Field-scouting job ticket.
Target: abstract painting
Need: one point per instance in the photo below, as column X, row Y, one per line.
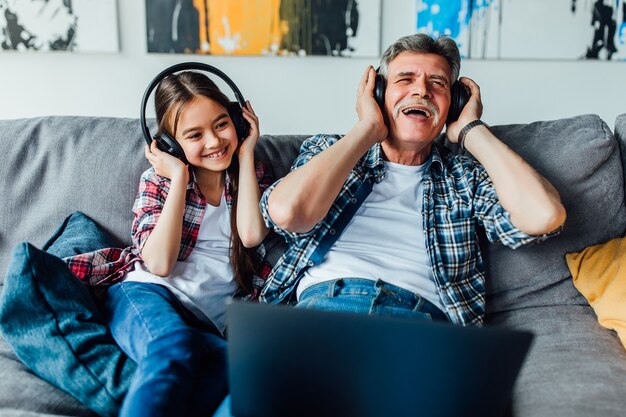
column 59, row 25
column 264, row 27
column 529, row 29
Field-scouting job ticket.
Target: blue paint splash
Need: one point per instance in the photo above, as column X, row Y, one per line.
column 444, row 17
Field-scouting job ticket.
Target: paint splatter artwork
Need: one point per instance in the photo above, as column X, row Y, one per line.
column 59, row 25
column 529, row 29
column 264, row 27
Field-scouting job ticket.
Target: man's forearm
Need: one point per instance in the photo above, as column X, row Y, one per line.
column 533, row 203
column 302, row 199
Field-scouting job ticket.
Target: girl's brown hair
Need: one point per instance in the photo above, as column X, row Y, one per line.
column 174, row 93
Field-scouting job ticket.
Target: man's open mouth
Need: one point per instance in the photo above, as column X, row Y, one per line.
column 416, row 111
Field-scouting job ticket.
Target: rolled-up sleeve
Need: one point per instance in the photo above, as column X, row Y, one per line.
column 148, row 206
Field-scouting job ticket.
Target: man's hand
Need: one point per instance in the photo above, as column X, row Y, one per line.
column 473, row 110
column 533, row 203
column 367, row 108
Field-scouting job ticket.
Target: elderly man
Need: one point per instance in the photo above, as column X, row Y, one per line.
column 383, row 221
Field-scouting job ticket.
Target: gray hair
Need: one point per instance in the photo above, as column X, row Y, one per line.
column 424, row 44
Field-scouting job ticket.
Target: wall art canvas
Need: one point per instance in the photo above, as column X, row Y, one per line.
column 265, row 27
column 59, row 25
column 529, row 29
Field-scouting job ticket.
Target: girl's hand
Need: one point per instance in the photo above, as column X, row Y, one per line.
column 166, row 165
column 248, row 144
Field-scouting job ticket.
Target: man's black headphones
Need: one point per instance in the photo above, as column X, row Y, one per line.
column 459, row 95
column 165, row 141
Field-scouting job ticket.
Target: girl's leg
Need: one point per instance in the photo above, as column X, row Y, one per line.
column 172, row 356
column 211, row 386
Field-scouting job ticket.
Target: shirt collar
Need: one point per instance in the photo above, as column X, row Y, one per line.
column 373, row 160
column 193, row 183
column 435, row 162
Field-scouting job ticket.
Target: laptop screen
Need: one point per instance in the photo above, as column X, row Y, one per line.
column 291, row 362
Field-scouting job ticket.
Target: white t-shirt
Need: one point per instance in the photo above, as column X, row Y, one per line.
column 385, row 239
column 204, row 281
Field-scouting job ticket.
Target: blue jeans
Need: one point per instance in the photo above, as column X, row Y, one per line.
column 181, row 360
column 365, row 296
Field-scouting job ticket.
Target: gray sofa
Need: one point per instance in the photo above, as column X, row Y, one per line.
column 53, row 166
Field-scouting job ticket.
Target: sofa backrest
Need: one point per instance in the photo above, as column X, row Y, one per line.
column 581, row 158
column 53, row 166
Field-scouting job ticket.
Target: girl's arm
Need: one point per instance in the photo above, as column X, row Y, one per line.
column 250, row 223
column 160, row 251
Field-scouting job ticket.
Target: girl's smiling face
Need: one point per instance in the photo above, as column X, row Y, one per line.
column 206, row 133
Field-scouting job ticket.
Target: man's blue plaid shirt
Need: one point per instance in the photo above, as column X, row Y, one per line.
column 459, row 197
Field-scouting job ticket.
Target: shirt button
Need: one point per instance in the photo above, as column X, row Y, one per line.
column 332, row 231
column 311, row 263
column 353, row 200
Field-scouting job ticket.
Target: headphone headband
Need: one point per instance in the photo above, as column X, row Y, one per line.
column 184, row 66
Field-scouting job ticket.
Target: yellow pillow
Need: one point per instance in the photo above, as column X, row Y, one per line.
column 599, row 273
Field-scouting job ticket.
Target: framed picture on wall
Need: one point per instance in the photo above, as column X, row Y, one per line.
column 59, row 25
column 529, row 29
column 265, row 27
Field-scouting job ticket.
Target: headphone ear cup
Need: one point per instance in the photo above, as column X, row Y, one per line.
column 241, row 124
column 379, row 90
column 168, row 144
column 459, row 96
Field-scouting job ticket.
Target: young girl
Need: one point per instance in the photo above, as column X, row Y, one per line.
column 192, row 230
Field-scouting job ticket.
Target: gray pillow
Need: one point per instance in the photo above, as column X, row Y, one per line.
column 580, row 157
column 620, row 135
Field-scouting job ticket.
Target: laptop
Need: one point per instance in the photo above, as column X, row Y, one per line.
column 287, row 362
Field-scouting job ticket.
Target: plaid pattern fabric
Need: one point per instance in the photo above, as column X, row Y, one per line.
column 109, row 265
column 459, row 197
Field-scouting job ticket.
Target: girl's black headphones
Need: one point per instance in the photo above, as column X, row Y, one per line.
column 165, row 141
column 459, row 95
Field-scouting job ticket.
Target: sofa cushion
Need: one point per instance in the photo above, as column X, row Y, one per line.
column 580, row 157
column 574, row 368
column 53, row 324
column 598, row 273
column 24, row 394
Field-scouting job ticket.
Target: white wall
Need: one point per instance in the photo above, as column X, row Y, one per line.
column 295, row 95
